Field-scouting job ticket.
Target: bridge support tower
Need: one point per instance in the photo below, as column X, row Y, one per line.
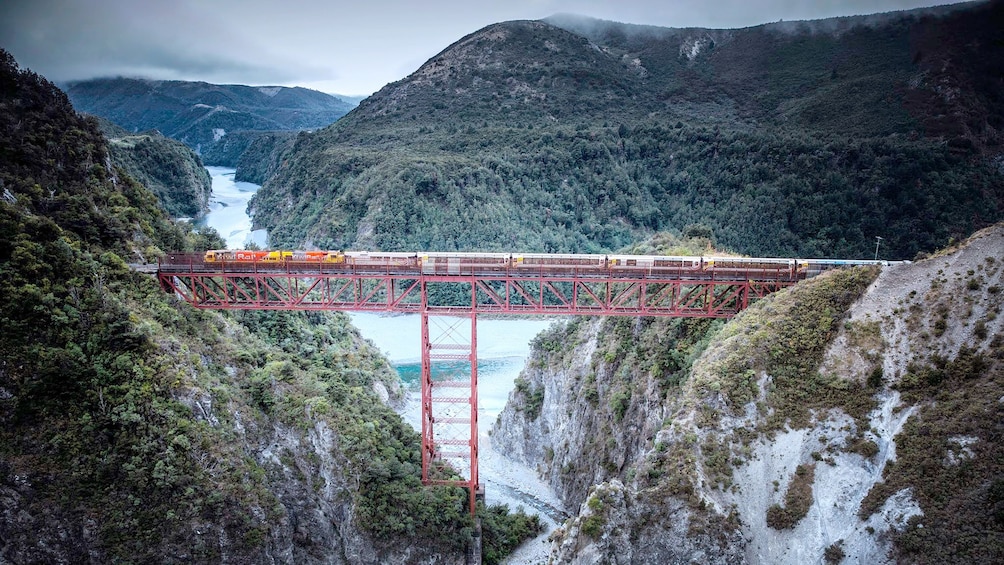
column 450, row 400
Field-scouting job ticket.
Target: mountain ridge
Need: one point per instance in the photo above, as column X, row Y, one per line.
column 168, row 168
column 498, row 45
column 200, row 113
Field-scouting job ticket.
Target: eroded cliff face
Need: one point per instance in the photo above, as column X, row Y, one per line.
column 855, row 416
column 593, row 396
column 586, row 412
column 316, row 485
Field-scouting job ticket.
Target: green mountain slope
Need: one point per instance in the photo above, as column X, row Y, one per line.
column 198, row 113
column 793, row 139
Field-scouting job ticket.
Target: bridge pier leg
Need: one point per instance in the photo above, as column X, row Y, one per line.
column 473, row 484
column 428, row 445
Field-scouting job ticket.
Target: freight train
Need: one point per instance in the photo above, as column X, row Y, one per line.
column 466, row 263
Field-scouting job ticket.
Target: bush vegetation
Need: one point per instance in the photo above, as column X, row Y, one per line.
column 834, row 553
column 797, row 500
column 785, row 336
column 532, row 397
column 503, row 531
column 592, row 525
column 950, row 455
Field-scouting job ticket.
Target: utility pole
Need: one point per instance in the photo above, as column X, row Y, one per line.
column 878, row 240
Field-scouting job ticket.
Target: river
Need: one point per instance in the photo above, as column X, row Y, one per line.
column 503, row 346
column 228, row 206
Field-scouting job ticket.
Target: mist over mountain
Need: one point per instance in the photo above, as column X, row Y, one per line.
column 803, row 139
column 201, row 114
column 927, row 71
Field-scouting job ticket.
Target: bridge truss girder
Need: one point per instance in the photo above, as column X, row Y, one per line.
column 450, row 419
column 558, row 296
column 450, row 402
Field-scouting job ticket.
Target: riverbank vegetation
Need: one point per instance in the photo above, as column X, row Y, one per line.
column 597, row 189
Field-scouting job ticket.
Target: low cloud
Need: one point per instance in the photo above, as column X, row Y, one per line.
column 352, row 48
column 79, row 40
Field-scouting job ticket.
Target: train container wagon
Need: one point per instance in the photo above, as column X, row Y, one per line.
column 463, row 263
column 380, row 260
column 686, row 267
column 655, row 265
column 558, row 262
column 630, row 261
column 746, row 267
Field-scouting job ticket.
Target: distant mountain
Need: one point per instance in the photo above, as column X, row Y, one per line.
column 354, row 100
column 803, row 138
column 200, row 114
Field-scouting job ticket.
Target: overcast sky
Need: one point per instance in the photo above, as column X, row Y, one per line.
column 351, row 48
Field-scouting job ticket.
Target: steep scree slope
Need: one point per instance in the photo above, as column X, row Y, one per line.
column 825, row 421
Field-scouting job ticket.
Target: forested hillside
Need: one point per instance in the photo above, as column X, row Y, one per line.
column 168, row 168
column 808, row 139
column 200, row 114
column 135, row 429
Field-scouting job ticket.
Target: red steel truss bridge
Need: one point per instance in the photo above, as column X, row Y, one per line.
column 451, row 290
